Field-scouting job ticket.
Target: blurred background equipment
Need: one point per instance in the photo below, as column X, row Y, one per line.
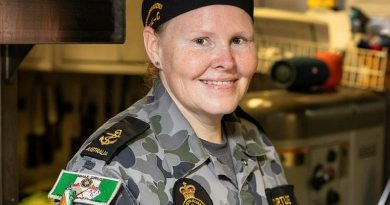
column 299, row 73
column 335, row 137
column 331, row 143
column 334, row 63
column 288, row 35
column 319, row 73
column 359, row 20
column 86, row 104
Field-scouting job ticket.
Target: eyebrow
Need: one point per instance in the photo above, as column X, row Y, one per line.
column 211, row 33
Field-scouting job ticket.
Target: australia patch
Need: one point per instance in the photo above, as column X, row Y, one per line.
column 187, row 192
column 281, row 195
column 105, row 146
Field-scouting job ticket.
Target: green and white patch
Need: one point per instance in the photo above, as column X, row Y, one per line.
column 88, row 189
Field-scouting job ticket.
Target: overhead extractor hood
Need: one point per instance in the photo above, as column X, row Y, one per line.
column 59, row 21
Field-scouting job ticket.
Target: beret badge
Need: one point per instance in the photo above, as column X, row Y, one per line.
column 153, row 14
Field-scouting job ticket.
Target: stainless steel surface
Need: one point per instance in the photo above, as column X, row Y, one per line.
column 292, row 115
column 41, row 21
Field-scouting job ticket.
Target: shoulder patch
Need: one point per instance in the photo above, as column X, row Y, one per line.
column 188, row 191
column 281, row 195
column 105, row 146
column 84, row 188
column 241, row 113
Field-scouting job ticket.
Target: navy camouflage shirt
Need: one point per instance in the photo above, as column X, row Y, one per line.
column 152, row 149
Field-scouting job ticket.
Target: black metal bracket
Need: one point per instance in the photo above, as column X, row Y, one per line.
column 11, row 55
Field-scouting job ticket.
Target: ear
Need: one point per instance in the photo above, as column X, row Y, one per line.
column 151, row 41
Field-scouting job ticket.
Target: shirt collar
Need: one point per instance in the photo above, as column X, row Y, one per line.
column 242, row 136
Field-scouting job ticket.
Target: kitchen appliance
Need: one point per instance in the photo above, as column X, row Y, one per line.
column 331, row 144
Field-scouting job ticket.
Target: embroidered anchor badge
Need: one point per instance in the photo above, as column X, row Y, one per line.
column 111, row 138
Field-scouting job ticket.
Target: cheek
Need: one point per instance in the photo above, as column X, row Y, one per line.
column 190, row 64
column 248, row 65
column 181, row 59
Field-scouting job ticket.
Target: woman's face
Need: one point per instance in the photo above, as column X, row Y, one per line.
column 208, row 57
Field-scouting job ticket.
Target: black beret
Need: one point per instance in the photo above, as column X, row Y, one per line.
column 157, row 12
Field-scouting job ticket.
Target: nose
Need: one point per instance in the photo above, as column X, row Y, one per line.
column 223, row 57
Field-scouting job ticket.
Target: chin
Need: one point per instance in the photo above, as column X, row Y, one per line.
column 222, row 109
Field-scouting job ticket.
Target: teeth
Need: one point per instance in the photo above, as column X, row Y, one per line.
column 210, row 82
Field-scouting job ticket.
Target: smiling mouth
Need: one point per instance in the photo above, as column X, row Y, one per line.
column 214, row 82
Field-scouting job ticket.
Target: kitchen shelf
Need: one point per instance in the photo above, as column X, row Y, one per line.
column 127, row 58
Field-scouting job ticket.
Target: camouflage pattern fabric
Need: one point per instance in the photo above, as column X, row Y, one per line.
column 150, row 165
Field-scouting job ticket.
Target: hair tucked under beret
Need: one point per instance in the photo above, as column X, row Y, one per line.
column 157, row 12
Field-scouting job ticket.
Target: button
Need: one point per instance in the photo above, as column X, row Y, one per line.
column 244, row 162
column 332, row 197
column 319, row 177
column 332, row 156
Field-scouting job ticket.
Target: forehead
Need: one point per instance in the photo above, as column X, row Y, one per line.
column 208, row 17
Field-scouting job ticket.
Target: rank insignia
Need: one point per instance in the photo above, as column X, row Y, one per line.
column 72, row 187
column 281, row 195
column 113, row 139
column 188, row 192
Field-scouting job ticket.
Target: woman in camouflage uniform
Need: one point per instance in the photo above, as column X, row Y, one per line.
column 186, row 142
